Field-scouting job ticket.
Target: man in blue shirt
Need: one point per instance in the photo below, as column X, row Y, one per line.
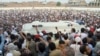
column 2, row 40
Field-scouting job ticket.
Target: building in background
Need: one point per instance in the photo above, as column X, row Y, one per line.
column 77, row 3
column 95, row 3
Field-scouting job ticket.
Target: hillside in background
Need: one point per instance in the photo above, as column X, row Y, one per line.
column 39, row 4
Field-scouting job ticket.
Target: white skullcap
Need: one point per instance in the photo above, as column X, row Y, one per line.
column 5, row 33
column 78, row 39
column 98, row 30
column 14, row 32
column 88, row 28
column 41, row 34
column 11, row 46
column 12, row 26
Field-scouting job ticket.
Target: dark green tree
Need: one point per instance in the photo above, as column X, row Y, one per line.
column 58, row 4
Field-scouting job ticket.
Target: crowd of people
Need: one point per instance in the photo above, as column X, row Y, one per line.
column 14, row 42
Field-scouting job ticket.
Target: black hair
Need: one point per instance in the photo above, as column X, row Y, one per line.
column 23, row 53
column 73, row 30
column 98, row 36
column 82, row 30
column 28, row 34
column 33, row 37
column 28, row 38
column 52, row 46
column 61, row 42
column 18, row 44
column 9, row 33
column 48, row 38
column 65, row 37
column 73, row 42
column 13, row 37
column 51, row 34
column 84, row 40
column 36, row 39
column 57, row 36
column 83, row 48
column 90, row 34
column 79, row 43
column 41, row 47
column 21, row 40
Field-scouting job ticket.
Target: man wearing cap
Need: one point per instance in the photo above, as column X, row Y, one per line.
column 76, row 46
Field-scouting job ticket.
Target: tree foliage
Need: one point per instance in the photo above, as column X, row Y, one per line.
column 58, row 3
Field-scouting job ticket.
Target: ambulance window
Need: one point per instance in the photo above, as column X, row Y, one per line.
column 40, row 25
column 37, row 25
column 33, row 25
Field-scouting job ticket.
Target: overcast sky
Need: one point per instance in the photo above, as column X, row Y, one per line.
column 63, row 1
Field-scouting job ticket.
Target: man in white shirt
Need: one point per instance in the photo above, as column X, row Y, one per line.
column 76, row 46
column 9, row 54
column 83, row 34
column 72, row 35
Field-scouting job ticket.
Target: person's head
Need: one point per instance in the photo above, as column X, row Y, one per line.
column 41, row 47
column 50, row 34
column 44, row 32
column 78, row 41
column 82, row 30
column 52, row 46
column 33, row 37
column 13, row 37
column 98, row 36
column 57, row 36
column 85, row 41
column 65, row 37
column 73, row 30
column 69, row 51
column 28, row 34
column 25, row 53
column 59, row 32
column 49, row 39
column 90, row 34
column 28, row 39
column 61, row 44
column 84, row 49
